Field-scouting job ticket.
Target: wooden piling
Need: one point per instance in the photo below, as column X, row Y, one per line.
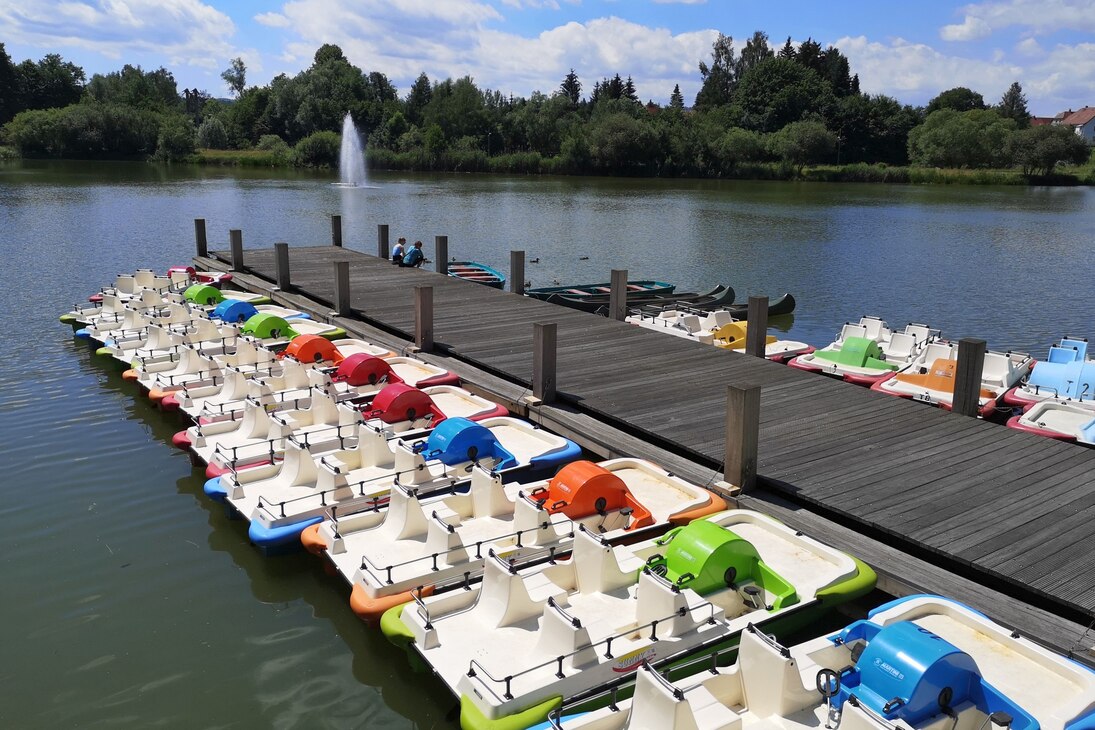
column 742, row 435
column 281, row 265
column 543, row 361
column 201, row 242
column 342, row 288
column 336, row 230
column 617, row 298
column 517, row 272
column 441, row 253
column 967, row 376
column 382, row 250
column 423, row 318
column 757, row 331
column 235, row 241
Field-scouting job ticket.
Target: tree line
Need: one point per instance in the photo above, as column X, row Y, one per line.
column 760, row 112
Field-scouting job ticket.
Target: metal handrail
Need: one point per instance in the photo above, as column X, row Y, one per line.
column 769, row 640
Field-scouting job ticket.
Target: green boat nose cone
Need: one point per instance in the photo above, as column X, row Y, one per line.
column 67, row 318
column 105, row 351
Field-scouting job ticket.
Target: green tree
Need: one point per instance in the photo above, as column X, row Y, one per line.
column 418, row 98
column 948, row 138
column 756, row 50
column 1038, row 150
column 960, row 99
column 737, row 146
column 620, row 143
column 803, row 143
column 133, row 86
column 788, row 51
column 434, row 142
column 810, row 55
column 212, row 134
column 10, row 93
column 235, row 76
column 1013, row 105
column 318, row 150
column 571, row 88
column 458, row 108
column 718, row 78
column 777, row 92
column 50, row 83
column 676, row 99
column 176, row 138
column 873, row 129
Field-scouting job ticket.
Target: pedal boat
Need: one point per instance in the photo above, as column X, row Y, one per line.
column 125, row 321
column 112, row 309
column 307, row 350
column 536, row 631
column 350, row 480
column 1061, row 420
column 717, row 327
column 396, row 409
column 439, row 545
column 196, row 368
column 1067, row 374
column 358, row 375
column 917, row 663
column 934, row 383
column 867, row 352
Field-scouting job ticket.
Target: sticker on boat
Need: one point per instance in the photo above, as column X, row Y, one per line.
column 634, row 660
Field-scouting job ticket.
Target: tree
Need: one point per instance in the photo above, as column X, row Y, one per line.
column 136, row 87
column 810, row 55
column 736, row 146
column 873, row 129
column 417, row 98
column 1013, row 105
column 1038, row 150
column 212, row 135
column 629, row 92
column 718, row 78
column 777, row 92
column 948, row 138
column 788, row 51
column 836, row 70
column 960, row 99
column 756, row 50
column 803, row 143
column 676, row 99
column 50, row 83
column 176, row 138
column 571, row 88
column 235, row 76
column 9, row 88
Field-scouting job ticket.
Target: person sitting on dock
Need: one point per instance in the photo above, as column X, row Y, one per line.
column 399, row 250
column 414, row 257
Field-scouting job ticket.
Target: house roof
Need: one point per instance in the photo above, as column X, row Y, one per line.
column 1080, row 118
column 1040, row 121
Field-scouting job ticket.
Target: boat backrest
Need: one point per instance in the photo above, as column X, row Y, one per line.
column 562, row 634
column 689, row 323
column 901, row 346
column 770, row 680
column 938, row 351
column 504, row 599
column 658, row 601
column 125, row 284
column 872, row 327
column 666, row 707
column 919, row 332
column 851, row 330
column 997, row 369
column 596, row 567
column 488, row 498
column 719, row 317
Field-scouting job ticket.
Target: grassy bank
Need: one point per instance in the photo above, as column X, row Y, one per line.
column 240, row 158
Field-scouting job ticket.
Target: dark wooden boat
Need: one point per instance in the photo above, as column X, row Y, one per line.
column 720, row 296
column 639, row 289
column 780, row 305
column 477, row 272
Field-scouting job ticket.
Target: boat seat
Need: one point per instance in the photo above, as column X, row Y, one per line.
column 596, row 568
column 655, row 706
column 720, row 317
column 561, row 633
column 998, row 371
column 689, row 323
column 772, row 683
column 506, row 599
column 872, row 327
column 658, row 601
column 900, row 347
column 919, row 332
column 851, row 330
column 488, row 498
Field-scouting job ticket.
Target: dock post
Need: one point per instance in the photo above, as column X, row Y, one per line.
column 742, row 435
column 235, row 241
column 382, row 242
column 543, row 361
column 281, row 264
column 617, row 298
column 342, row 288
column 423, row 318
column 517, row 272
column 200, row 240
column 441, row 253
column 967, row 376
column 336, row 230
column 757, row 330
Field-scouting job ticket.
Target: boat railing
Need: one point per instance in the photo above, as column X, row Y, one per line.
column 383, row 574
column 477, row 671
column 769, row 640
column 881, row 721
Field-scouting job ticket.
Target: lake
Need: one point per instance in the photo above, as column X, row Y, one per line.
column 130, row 600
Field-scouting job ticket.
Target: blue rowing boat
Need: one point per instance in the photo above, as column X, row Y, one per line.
column 477, row 272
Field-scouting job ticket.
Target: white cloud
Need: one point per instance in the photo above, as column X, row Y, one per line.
column 272, row 20
column 182, row 32
column 969, row 29
column 1029, row 47
column 1038, row 16
column 1063, row 79
column 457, row 38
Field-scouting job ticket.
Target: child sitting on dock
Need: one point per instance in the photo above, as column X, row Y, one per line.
column 414, row 257
column 399, row 250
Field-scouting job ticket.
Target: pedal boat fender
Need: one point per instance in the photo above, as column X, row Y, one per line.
column 1015, row 422
column 372, row 610
column 471, row 718
column 271, row 537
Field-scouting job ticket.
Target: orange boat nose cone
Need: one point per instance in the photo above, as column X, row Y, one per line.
column 130, row 374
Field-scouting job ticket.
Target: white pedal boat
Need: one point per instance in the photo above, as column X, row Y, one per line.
column 1061, row 420
column 358, row 374
column 863, row 359
column 1067, row 374
column 528, row 635
column 195, row 368
column 161, row 346
column 352, row 479
column 917, row 663
column 396, row 409
column 206, row 295
column 932, row 381
column 423, row 546
column 128, row 323
column 113, row 309
column 717, row 328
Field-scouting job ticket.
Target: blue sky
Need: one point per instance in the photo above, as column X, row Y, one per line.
column 909, row 50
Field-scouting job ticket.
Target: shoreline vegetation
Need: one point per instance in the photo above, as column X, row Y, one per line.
column 762, row 113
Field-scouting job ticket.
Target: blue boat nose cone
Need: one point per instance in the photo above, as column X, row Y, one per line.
column 215, row 489
column 82, row 333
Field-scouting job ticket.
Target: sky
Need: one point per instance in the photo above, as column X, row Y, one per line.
column 908, row 50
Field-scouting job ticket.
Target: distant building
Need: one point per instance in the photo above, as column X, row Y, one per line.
column 1040, row 121
column 1082, row 121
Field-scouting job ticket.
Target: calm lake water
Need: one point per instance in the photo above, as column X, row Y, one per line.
column 129, row 600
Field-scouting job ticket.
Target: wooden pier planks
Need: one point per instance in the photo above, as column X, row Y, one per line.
column 974, row 496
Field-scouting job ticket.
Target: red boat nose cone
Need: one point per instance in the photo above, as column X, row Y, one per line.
column 95, row 298
column 169, row 403
column 181, row 440
column 214, row 470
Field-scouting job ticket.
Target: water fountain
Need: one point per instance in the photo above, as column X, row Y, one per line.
column 351, row 158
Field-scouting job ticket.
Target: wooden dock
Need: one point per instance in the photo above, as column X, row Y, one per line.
column 1002, row 520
